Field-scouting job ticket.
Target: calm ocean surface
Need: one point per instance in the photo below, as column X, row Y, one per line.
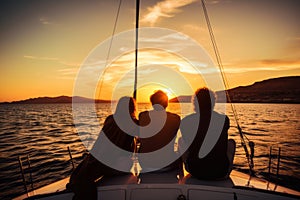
column 44, row 131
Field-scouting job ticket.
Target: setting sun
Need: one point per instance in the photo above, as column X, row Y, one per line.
column 144, row 92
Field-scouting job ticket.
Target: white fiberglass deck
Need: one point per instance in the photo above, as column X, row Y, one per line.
column 191, row 188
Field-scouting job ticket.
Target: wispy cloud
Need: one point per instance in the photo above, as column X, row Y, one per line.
column 262, row 65
column 40, row 58
column 45, row 58
column 280, row 62
column 67, row 73
column 70, row 70
column 70, row 64
column 194, row 28
column 294, row 39
column 217, row 1
column 46, row 21
column 166, row 8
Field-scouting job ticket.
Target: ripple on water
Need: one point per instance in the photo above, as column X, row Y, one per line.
column 45, row 131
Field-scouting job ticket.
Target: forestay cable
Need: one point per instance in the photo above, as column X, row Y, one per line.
column 108, row 54
column 110, row 45
column 220, row 65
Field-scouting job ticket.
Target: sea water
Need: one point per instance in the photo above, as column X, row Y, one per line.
column 43, row 132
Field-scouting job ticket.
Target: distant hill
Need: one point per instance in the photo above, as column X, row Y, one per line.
column 60, row 99
column 183, row 98
column 275, row 90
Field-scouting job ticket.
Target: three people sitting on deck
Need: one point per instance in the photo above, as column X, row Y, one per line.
column 158, row 130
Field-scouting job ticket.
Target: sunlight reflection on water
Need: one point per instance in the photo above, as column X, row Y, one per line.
column 45, row 130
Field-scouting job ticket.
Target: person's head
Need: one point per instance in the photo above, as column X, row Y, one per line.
column 204, row 99
column 159, row 97
column 124, row 105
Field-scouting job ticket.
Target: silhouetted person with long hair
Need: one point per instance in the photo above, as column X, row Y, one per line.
column 82, row 180
column 205, row 122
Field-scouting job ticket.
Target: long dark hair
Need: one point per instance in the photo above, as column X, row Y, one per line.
column 126, row 104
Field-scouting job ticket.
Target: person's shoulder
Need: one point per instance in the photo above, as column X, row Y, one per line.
column 190, row 120
column 223, row 117
column 143, row 117
column 192, row 116
column 143, row 113
column 110, row 117
column 189, row 124
column 109, row 120
column 174, row 115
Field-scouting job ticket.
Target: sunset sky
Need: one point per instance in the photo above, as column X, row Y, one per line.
column 45, row 43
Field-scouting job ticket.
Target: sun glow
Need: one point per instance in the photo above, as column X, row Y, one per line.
column 169, row 93
column 158, row 70
column 145, row 91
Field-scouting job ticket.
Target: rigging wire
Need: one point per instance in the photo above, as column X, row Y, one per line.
column 225, row 81
column 110, row 45
column 108, row 54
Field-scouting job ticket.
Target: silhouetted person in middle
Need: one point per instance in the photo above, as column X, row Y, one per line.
column 157, row 129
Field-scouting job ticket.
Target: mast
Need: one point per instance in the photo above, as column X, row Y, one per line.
column 136, row 47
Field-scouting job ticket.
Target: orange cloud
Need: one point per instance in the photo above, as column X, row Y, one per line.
column 280, row 62
column 39, row 58
column 166, row 8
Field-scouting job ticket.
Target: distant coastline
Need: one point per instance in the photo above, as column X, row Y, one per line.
column 275, row 90
column 59, row 99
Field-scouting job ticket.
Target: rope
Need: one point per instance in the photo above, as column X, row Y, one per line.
column 225, row 81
